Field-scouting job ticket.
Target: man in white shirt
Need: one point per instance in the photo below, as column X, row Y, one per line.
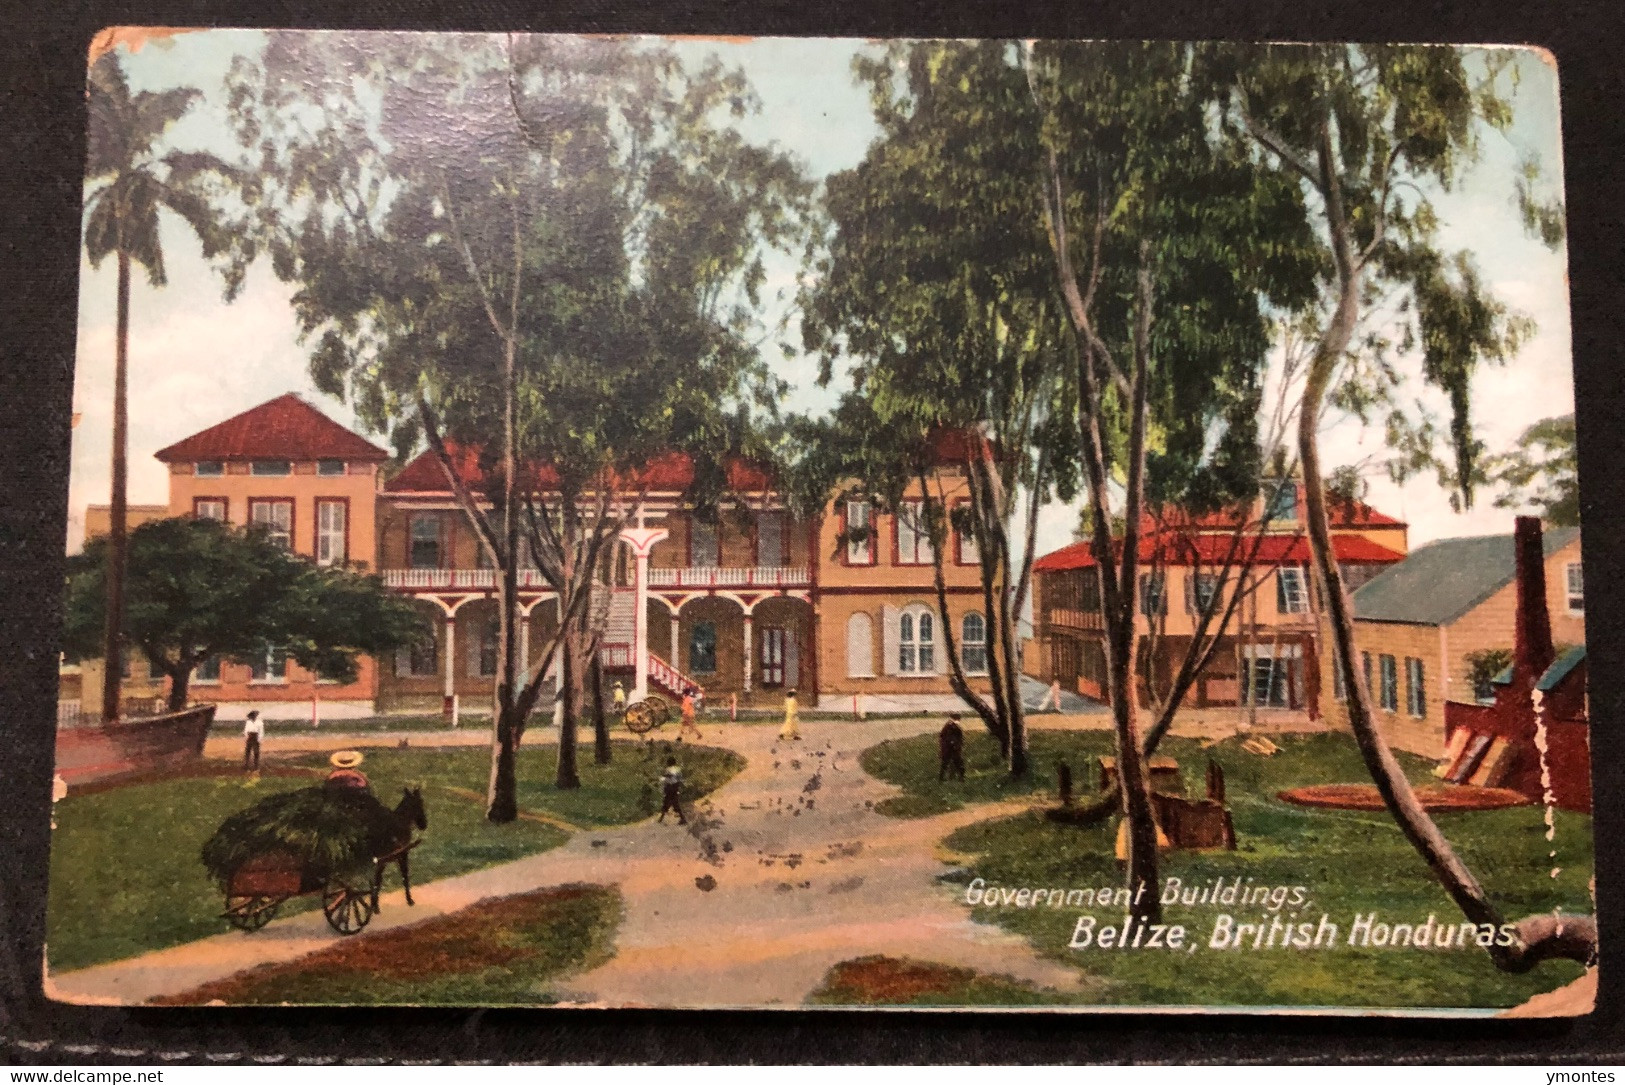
column 253, row 731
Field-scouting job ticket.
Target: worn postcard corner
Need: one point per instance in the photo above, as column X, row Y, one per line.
column 747, row 522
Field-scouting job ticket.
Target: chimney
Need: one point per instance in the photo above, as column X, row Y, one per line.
column 1532, row 651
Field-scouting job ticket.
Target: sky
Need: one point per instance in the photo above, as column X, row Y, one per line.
column 195, row 360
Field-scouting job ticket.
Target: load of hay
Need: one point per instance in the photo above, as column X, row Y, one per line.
column 327, row 831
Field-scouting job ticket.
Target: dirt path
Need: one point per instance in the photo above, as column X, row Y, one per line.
column 782, row 873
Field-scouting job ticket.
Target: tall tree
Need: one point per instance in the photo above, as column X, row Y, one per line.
column 130, row 177
column 523, row 237
column 1166, row 248
column 200, row 590
column 937, row 290
column 1368, row 133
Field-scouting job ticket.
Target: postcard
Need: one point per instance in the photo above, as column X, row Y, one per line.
column 788, row 523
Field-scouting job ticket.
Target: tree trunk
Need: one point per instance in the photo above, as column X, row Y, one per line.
column 567, row 777
column 601, row 751
column 118, row 511
column 502, row 794
column 180, row 685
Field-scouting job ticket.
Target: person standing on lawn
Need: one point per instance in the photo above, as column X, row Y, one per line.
column 253, row 732
column 951, row 749
column 688, row 717
column 671, row 790
column 790, row 730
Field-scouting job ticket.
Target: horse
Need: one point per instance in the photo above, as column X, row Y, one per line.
column 408, row 814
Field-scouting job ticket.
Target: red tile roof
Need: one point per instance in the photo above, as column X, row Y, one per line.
column 1213, row 549
column 285, row 428
column 1345, row 514
column 671, row 473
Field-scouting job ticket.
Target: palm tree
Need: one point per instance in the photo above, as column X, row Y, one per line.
column 129, row 180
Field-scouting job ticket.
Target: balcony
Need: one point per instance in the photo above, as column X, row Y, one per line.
column 710, row 576
column 1067, row 618
column 457, row 579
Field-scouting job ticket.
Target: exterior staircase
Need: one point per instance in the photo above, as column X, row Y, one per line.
column 669, row 678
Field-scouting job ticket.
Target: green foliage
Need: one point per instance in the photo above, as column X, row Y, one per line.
column 1482, row 668
column 198, row 589
column 130, row 178
column 1541, row 470
column 585, row 197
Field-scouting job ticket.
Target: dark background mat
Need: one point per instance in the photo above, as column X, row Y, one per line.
column 41, row 153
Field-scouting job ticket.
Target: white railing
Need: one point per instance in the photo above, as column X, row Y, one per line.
column 615, row 655
column 669, row 678
column 711, row 576
column 457, row 579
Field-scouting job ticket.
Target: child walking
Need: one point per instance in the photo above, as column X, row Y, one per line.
column 671, row 790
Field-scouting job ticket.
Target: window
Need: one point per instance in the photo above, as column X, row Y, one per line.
column 209, row 469
column 703, row 551
column 1272, row 675
column 1153, row 593
column 419, row 660
column 1283, row 501
column 1365, row 667
column 209, row 508
column 916, row 642
column 1575, row 580
column 208, row 671
column 860, row 646
column 276, row 517
column 1291, row 591
column 973, row 643
column 913, row 534
column 271, row 468
column 330, row 467
column 702, row 648
column 1200, row 591
column 272, row 667
column 1340, row 689
column 770, row 540
column 332, row 532
column 482, row 649
column 859, row 535
column 1416, row 702
column 425, row 542
column 1389, row 694
column 969, row 552
column 124, row 664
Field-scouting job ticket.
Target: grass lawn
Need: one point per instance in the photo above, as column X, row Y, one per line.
column 125, row 872
column 504, row 951
column 618, row 793
column 1348, row 862
column 901, row 981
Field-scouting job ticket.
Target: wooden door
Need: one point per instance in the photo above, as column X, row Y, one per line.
column 771, row 657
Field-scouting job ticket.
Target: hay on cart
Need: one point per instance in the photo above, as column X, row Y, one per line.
column 327, row 831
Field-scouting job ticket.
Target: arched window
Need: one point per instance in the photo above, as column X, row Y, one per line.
column 973, row 643
column 916, row 641
column 860, row 646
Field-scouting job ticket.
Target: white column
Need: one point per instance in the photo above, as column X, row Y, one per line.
column 451, row 664
column 675, row 631
column 524, row 645
column 640, row 627
column 558, row 670
column 747, row 651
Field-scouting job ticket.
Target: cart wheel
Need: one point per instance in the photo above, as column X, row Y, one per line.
column 347, row 909
column 248, row 913
column 659, row 709
column 640, row 718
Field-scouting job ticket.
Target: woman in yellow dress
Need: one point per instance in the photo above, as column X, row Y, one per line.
column 789, row 730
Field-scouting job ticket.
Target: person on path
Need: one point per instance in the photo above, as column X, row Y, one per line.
column 688, row 717
column 790, row 730
column 671, row 790
column 951, row 750
column 1052, row 698
column 620, row 699
column 253, row 732
column 346, row 771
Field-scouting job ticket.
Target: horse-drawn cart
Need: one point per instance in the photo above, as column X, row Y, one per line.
column 259, row 887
